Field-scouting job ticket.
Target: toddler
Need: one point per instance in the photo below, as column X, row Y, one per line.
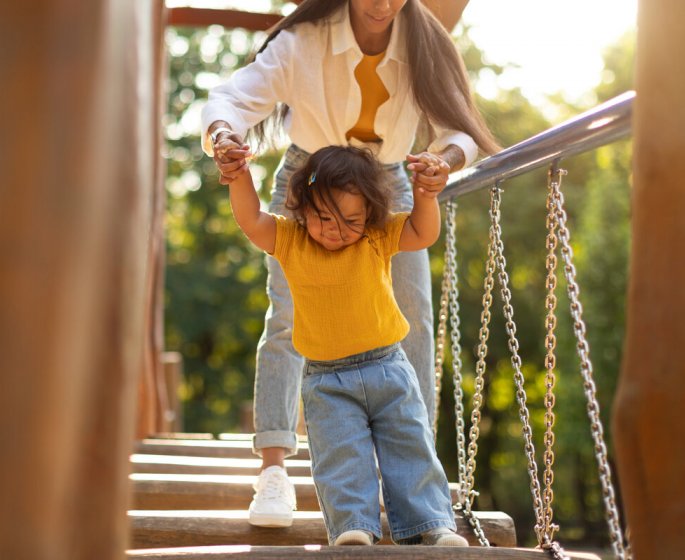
column 360, row 393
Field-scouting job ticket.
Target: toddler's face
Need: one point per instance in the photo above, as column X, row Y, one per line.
column 333, row 231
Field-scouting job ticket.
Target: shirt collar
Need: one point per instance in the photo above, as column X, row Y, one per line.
column 342, row 36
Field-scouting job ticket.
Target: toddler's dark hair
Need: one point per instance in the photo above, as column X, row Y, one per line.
column 343, row 168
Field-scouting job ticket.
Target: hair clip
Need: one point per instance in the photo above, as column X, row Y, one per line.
column 312, row 179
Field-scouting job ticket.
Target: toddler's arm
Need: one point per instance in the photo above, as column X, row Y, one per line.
column 258, row 226
column 422, row 229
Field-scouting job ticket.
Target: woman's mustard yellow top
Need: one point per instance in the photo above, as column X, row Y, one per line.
column 343, row 300
column 374, row 95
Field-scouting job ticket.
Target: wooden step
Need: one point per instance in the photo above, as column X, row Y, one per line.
column 346, row 553
column 182, row 435
column 206, row 448
column 228, row 436
column 179, row 464
column 198, row 491
column 198, row 528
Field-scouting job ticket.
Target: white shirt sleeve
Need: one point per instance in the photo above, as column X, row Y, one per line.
column 252, row 92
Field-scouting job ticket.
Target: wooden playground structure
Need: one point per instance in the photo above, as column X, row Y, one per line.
column 81, row 233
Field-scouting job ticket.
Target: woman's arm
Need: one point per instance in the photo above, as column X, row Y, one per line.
column 253, row 91
column 258, row 226
column 448, row 12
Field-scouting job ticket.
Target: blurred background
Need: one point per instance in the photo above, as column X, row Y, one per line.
column 533, row 64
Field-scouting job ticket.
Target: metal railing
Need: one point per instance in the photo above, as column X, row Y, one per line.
column 602, row 125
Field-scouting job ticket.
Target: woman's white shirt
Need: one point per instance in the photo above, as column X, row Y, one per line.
column 310, row 67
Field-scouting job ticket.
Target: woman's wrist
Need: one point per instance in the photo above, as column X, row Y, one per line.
column 453, row 156
column 217, row 128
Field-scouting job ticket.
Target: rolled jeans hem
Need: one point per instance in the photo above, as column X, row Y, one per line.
column 286, row 440
column 418, row 530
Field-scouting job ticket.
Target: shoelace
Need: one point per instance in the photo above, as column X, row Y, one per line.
column 274, row 487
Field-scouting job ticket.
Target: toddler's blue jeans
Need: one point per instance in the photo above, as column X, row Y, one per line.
column 368, row 404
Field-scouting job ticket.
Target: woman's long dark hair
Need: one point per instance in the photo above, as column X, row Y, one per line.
column 439, row 80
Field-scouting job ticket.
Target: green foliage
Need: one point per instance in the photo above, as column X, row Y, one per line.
column 215, row 297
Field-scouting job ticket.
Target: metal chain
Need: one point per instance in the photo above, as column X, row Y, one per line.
column 467, row 493
column 545, row 533
column 583, row 348
column 548, row 528
column 524, row 414
column 450, row 300
column 442, row 325
column 455, row 335
column 483, row 335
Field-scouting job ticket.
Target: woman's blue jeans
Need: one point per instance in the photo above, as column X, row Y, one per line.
column 366, row 406
column 279, row 367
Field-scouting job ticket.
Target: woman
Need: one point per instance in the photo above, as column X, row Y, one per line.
column 359, row 72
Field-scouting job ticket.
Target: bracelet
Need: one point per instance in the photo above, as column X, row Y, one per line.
column 215, row 133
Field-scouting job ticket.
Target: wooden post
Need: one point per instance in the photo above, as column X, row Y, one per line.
column 78, row 153
column 649, row 423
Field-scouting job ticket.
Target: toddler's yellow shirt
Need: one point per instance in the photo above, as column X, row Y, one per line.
column 343, row 300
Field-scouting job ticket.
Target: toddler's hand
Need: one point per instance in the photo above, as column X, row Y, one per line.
column 429, row 173
column 231, row 159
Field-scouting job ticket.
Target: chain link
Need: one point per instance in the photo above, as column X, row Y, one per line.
column 455, row 336
column 583, row 348
column 442, row 326
column 539, row 509
column 449, row 303
column 468, row 492
column 542, row 500
column 547, row 530
column 510, row 326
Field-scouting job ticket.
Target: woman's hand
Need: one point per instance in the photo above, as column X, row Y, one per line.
column 230, row 156
column 429, row 173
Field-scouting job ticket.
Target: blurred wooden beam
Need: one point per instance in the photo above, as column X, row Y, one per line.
column 80, row 172
column 200, row 17
column 447, row 11
column 649, row 425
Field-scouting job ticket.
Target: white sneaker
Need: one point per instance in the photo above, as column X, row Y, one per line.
column 442, row 536
column 274, row 499
column 354, row 537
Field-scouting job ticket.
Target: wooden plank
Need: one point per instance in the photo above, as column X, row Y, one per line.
column 347, row 553
column 182, row 436
column 160, row 491
column 197, row 491
column 200, row 528
column 178, row 464
column 201, row 17
column 230, row 436
column 211, row 448
column 233, row 436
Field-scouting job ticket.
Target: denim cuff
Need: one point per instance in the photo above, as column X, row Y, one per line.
column 287, row 440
